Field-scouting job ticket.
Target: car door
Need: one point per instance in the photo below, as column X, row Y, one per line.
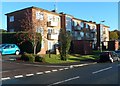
column 115, row 56
column 8, row 49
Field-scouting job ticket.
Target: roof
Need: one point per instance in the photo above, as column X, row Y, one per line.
column 106, row 26
column 91, row 22
column 80, row 19
column 33, row 8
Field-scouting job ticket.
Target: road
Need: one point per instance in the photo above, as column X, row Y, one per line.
column 100, row 73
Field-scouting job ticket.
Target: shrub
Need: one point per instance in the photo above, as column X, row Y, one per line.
column 28, row 57
column 38, row 58
column 31, row 58
column 24, row 57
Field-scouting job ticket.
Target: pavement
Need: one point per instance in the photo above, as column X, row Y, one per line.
column 16, row 69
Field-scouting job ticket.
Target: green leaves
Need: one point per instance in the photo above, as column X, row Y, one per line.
column 64, row 42
column 113, row 35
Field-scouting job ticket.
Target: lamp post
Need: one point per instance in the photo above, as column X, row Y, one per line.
column 101, row 34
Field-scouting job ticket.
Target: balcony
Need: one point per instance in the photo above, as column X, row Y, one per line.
column 93, row 30
column 77, row 28
column 93, row 39
column 52, row 24
column 52, row 36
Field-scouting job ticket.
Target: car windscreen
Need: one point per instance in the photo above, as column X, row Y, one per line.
column 2, row 45
column 117, row 51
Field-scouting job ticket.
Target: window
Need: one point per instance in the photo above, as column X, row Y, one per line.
column 50, row 18
column 82, row 24
column 12, row 46
column 87, row 26
column 72, row 23
column 57, row 19
column 50, row 45
column 11, row 18
column 81, row 34
column 40, row 30
column 51, row 31
column 11, row 30
column 53, row 18
column 75, row 23
column 39, row 15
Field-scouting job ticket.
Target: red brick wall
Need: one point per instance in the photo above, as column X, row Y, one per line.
column 82, row 47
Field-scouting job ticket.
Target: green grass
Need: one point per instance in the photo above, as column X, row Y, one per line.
column 71, row 58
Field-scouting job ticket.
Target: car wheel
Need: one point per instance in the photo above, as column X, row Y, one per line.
column 17, row 52
column 118, row 59
column 111, row 60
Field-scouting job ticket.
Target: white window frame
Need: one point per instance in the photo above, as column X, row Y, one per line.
column 40, row 30
column 11, row 18
column 50, row 45
column 39, row 15
column 51, row 30
column 50, row 18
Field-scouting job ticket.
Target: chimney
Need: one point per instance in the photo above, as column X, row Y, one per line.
column 53, row 11
column 90, row 21
column 61, row 13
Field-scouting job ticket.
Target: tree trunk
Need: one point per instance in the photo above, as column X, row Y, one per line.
column 34, row 49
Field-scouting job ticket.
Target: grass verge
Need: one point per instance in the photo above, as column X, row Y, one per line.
column 71, row 58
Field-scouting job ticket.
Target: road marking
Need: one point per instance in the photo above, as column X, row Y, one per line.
column 47, row 71
column 18, row 76
column 65, row 68
column 101, row 70
column 71, row 66
column 39, row 73
column 5, row 78
column 64, row 81
column 29, row 74
column 61, row 69
column 54, row 70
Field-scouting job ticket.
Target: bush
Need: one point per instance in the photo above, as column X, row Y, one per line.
column 31, row 58
column 24, row 57
column 38, row 58
column 28, row 57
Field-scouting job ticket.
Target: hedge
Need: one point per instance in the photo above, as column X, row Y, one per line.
column 26, row 46
column 31, row 58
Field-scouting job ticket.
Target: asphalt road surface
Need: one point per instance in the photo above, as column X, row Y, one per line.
column 100, row 73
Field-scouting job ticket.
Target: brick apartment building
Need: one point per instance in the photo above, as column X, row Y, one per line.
column 85, row 34
column 102, row 36
column 49, row 25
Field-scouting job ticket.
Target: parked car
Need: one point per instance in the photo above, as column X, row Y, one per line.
column 118, row 52
column 9, row 49
column 108, row 56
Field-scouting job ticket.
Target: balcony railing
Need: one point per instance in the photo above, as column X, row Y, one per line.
column 93, row 39
column 93, row 30
column 52, row 24
column 52, row 36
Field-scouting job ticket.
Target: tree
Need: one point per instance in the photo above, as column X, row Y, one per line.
column 2, row 30
column 113, row 35
column 65, row 42
column 25, row 44
column 118, row 32
column 30, row 27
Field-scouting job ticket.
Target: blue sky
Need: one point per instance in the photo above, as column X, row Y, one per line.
column 95, row 11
